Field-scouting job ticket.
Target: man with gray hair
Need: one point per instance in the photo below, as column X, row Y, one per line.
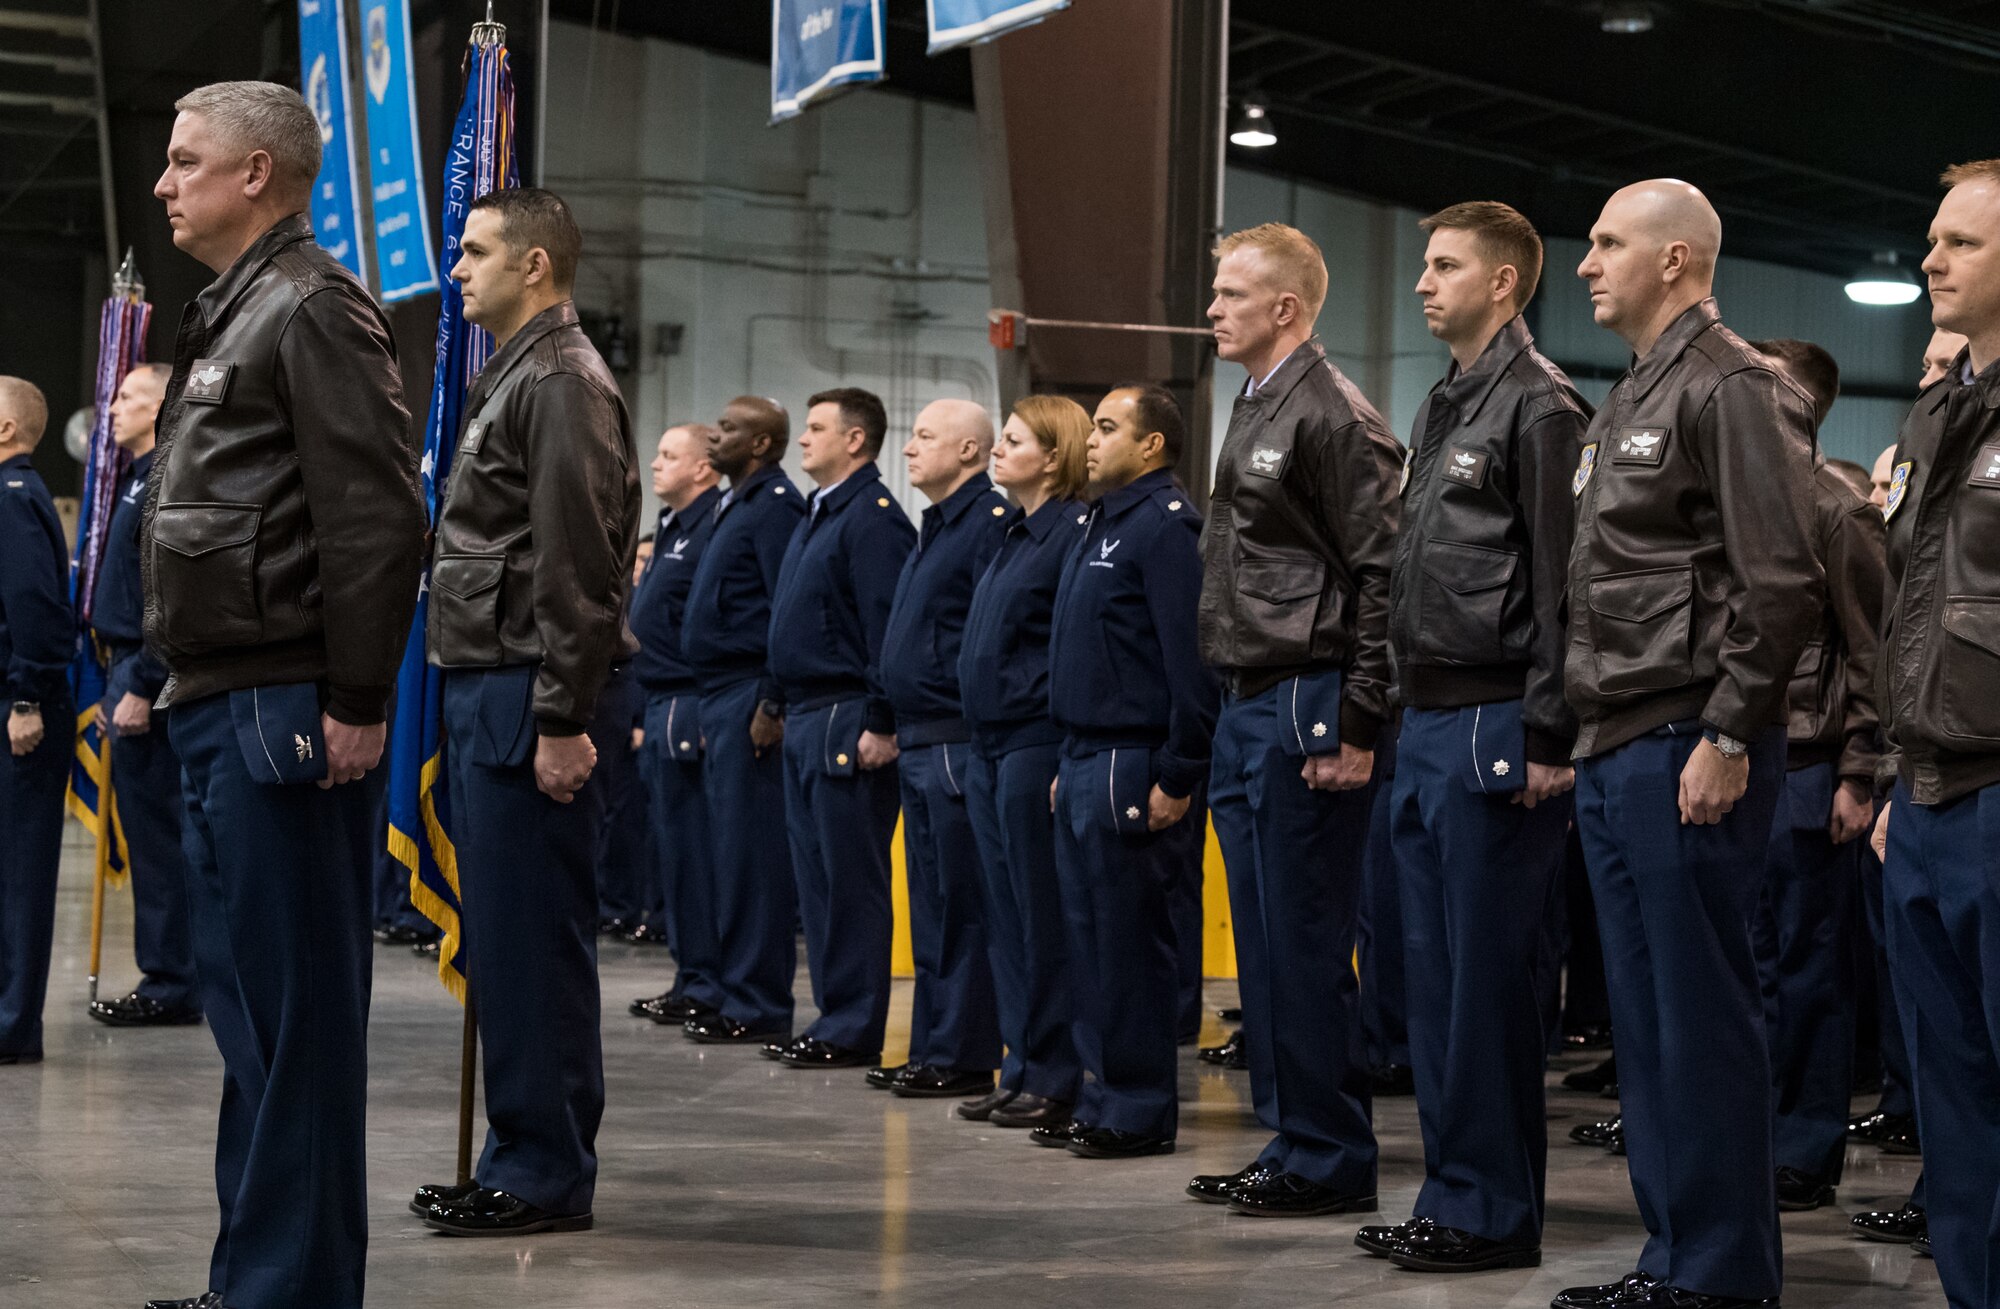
column 280, row 550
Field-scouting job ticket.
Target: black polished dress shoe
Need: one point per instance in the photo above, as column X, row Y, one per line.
column 612, row 926
column 1922, row 1246
column 137, row 1010
column 1392, row 1080
column 1664, row 1296
column 677, row 1011
column 882, row 1076
column 1599, row 1134
column 439, row 1193
column 1616, row 1145
column 825, row 1054
column 1632, row 1289
column 1110, row 1143
column 1027, row 1110
column 1903, row 1142
column 1895, row 1226
column 484, row 1212
column 1379, row 1240
column 1590, row 1037
column 1869, row 1128
column 926, row 1082
column 647, row 1005
column 1216, row 1188
column 1220, row 1055
column 1440, row 1249
column 1231, row 1015
column 978, row 1111
column 1287, row 1195
column 646, row 934
column 428, row 948
column 398, row 935
column 1056, row 1136
column 1595, row 1078
column 1799, row 1192
column 720, row 1029
column 206, row 1300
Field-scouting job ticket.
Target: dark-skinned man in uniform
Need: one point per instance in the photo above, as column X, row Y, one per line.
column 1692, row 589
column 1137, row 709
column 725, row 638
column 281, row 549
column 1294, row 619
column 828, row 617
column 532, row 560
column 145, row 775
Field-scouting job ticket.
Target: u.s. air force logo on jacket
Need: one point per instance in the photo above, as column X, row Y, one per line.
column 1899, row 489
column 1585, row 466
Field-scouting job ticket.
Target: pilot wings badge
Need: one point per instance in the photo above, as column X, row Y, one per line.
column 1640, row 445
column 207, row 382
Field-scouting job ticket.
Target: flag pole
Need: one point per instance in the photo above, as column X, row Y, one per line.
column 467, row 1066
column 97, row 890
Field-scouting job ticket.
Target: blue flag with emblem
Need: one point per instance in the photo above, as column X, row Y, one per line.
column 820, row 47
column 395, row 171
column 336, row 193
column 966, row 22
column 480, row 158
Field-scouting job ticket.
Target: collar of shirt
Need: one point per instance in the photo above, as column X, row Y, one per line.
column 835, row 497
column 1255, row 384
column 1044, row 519
column 1113, row 503
column 743, row 489
column 1278, row 383
column 142, row 465
column 953, row 507
column 18, row 461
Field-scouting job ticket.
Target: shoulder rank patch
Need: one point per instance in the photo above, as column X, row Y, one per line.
column 1585, row 466
column 779, row 489
column 999, row 511
column 881, row 502
column 1986, row 468
column 1899, row 487
column 1173, row 506
column 207, row 382
column 1466, row 467
column 1640, row 445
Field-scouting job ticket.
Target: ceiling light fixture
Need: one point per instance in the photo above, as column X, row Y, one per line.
column 1250, row 126
column 1883, row 282
column 1626, row 18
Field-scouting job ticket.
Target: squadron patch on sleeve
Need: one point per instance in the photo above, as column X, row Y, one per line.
column 1584, row 468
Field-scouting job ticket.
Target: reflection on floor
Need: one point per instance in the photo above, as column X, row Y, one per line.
column 730, row 1181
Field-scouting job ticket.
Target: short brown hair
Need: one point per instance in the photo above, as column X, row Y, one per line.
column 1807, row 364
column 1979, row 170
column 858, row 408
column 531, row 218
column 1154, row 409
column 1293, row 256
column 1062, row 427
column 1503, row 235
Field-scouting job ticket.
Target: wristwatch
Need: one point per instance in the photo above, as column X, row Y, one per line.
column 1727, row 746
column 27, row 707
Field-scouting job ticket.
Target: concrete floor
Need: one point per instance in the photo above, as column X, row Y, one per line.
column 730, row 1181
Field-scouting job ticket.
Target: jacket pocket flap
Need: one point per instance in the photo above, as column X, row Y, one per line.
column 1641, row 597
column 1974, row 620
column 194, row 530
column 1469, row 568
column 1278, row 580
column 465, row 576
column 1811, row 656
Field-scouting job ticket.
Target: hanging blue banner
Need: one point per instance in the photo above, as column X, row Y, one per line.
column 395, row 168
column 966, row 22
column 819, row 47
column 336, row 194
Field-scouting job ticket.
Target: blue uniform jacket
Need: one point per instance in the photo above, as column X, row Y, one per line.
column 1124, row 666
column 833, row 598
column 661, row 599
column 1003, row 658
column 728, row 615
column 118, row 612
column 37, row 631
column 920, row 650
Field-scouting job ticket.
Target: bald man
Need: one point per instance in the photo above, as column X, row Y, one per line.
column 1693, row 585
column 145, row 771
column 725, row 639
column 36, row 639
column 954, row 1019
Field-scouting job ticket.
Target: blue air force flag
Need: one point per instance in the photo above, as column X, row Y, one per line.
column 336, row 193
column 395, row 168
column 819, row 47
column 966, row 22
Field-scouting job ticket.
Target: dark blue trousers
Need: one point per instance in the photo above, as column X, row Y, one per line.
column 1673, row 907
column 1476, row 873
column 1805, row 962
column 1027, row 942
column 1379, row 928
column 756, row 897
column 1294, row 884
column 1117, row 891
column 279, row 906
column 625, row 877
column 1189, row 841
column 529, row 896
column 1897, row 1097
column 1942, row 887
column 681, row 846
column 954, row 1021
column 146, row 778
column 31, row 818
column 842, row 820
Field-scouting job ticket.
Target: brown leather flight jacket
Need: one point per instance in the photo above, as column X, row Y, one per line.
column 1692, row 584
column 1831, row 701
column 283, row 536
column 1943, row 639
column 1296, row 550
column 540, row 520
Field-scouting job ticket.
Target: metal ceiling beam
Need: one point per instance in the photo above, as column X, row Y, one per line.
column 28, row 20
column 70, row 106
column 1909, row 23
